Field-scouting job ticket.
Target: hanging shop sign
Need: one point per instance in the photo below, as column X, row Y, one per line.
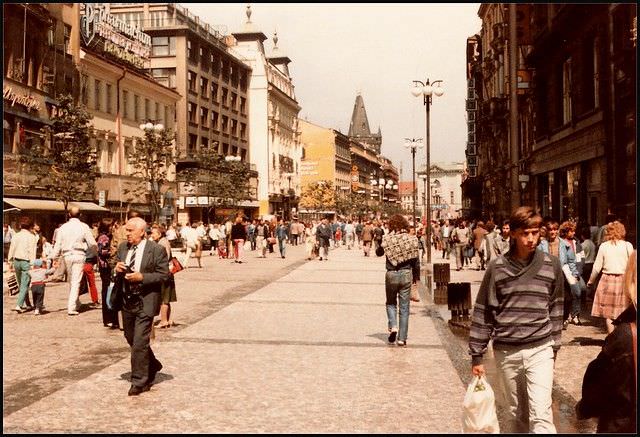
column 119, row 38
column 27, row 101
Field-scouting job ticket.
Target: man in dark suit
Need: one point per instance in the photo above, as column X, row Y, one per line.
column 145, row 267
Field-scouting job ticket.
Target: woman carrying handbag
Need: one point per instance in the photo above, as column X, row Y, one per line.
column 158, row 234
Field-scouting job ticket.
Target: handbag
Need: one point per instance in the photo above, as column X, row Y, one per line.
column 84, row 285
column 175, row 266
column 271, row 240
column 114, row 293
column 12, row 283
column 414, row 296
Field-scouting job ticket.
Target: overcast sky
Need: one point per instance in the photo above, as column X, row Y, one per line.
column 378, row 49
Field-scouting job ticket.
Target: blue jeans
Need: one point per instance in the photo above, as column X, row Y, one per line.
column 21, row 268
column 576, row 293
column 398, row 283
column 282, row 245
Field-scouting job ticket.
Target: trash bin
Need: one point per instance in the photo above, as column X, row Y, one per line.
column 459, row 300
column 441, row 273
column 441, row 276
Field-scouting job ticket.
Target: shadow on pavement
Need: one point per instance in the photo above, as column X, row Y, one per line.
column 160, row 377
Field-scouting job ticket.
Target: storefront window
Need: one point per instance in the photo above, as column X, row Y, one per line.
column 7, row 137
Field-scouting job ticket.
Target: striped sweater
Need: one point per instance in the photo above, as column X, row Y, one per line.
column 518, row 304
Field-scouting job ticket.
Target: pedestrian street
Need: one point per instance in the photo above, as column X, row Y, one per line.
column 305, row 352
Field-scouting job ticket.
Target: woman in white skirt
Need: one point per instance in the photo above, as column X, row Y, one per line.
column 610, row 300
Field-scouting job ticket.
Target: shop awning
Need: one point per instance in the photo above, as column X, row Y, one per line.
column 35, row 204
column 250, row 204
column 88, row 206
column 49, row 205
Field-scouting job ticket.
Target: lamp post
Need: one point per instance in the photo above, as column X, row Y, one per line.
column 426, row 90
column 413, row 144
column 424, row 196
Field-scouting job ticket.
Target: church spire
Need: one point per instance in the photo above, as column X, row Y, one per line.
column 359, row 128
column 359, row 123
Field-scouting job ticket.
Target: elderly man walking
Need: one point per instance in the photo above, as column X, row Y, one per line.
column 145, row 267
column 73, row 241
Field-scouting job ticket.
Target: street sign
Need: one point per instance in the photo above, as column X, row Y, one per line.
column 102, row 198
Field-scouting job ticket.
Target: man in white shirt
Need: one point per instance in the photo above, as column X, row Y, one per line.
column 73, row 240
column 349, row 234
column 22, row 251
column 191, row 239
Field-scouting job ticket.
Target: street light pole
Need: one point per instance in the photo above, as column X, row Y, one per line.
column 424, row 194
column 413, row 144
column 426, row 89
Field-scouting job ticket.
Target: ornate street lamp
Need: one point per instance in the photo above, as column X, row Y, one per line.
column 413, row 144
column 426, row 89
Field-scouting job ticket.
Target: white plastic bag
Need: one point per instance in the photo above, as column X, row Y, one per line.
column 479, row 408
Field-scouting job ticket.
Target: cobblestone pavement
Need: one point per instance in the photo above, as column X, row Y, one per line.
column 273, row 345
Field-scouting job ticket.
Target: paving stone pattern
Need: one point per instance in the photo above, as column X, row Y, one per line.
column 271, row 346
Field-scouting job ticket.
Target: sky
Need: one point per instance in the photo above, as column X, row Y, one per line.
column 338, row 50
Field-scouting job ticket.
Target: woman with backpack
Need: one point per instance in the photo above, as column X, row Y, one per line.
column 109, row 317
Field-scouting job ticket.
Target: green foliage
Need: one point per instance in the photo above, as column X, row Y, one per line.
column 318, row 196
column 226, row 182
column 66, row 167
column 151, row 158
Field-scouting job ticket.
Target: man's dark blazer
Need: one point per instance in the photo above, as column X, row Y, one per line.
column 154, row 269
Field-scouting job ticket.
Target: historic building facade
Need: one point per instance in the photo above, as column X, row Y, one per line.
column 327, row 156
column 275, row 136
column 446, row 190
column 575, row 115
column 192, row 57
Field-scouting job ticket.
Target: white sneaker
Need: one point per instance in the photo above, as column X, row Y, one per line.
column 36, row 312
column 73, row 313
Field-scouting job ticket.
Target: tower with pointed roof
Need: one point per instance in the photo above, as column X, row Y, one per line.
column 359, row 127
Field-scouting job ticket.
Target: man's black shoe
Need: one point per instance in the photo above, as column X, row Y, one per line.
column 392, row 337
column 135, row 390
column 152, row 372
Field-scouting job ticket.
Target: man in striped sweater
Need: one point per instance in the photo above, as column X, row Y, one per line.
column 519, row 307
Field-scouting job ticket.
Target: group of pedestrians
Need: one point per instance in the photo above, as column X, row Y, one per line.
column 535, row 272
column 522, row 309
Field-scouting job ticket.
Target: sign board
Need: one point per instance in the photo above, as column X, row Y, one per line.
column 181, row 202
column 102, row 198
column 203, row 200
column 115, row 37
column 191, row 201
column 28, row 101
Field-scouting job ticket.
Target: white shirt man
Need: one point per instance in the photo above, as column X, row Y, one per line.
column 73, row 240
column 190, row 238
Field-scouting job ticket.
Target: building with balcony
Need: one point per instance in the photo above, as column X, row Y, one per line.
column 192, row 58
column 275, row 135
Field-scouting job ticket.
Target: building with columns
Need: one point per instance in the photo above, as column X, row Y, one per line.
column 274, row 138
